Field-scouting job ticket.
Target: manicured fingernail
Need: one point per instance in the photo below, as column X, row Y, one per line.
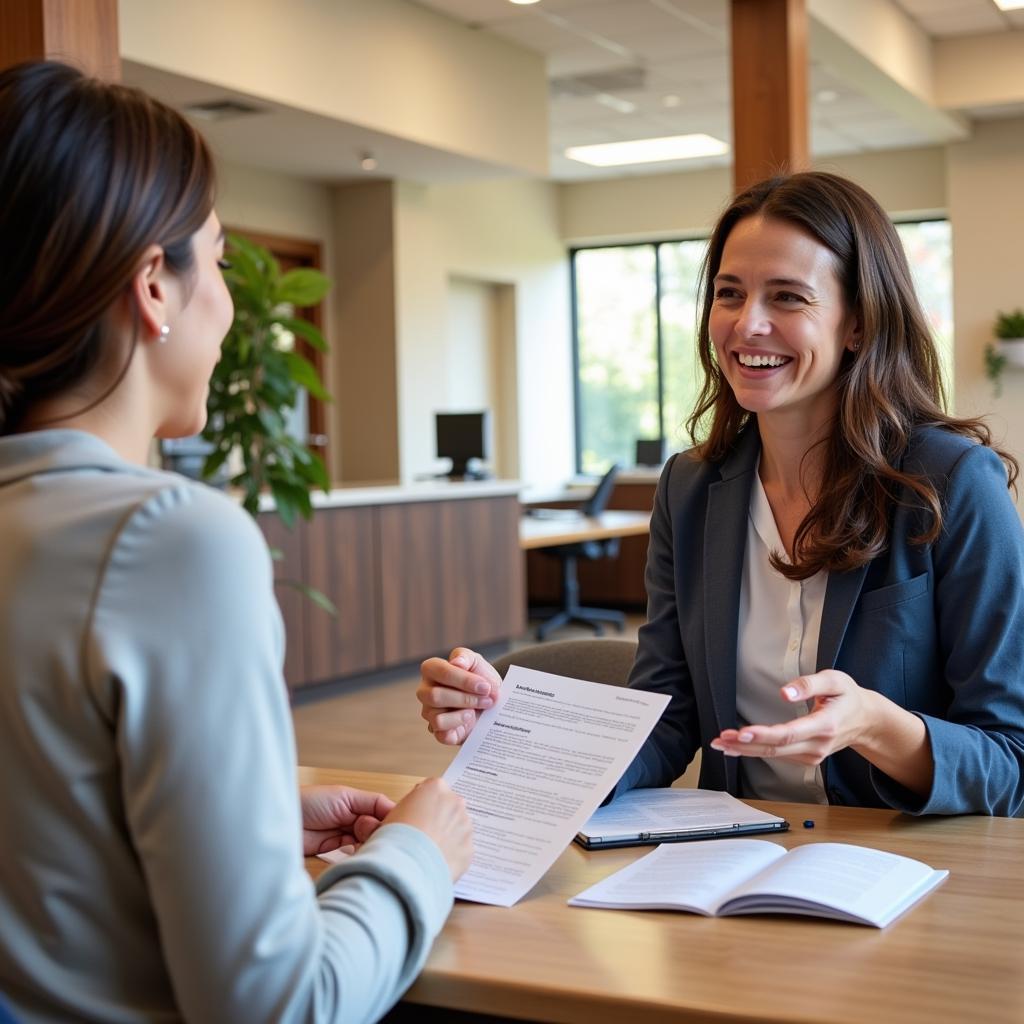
column 462, row 661
column 791, row 692
column 746, row 737
column 468, row 716
column 731, row 753
column 485, row 702
column 347, row 849
column 482, row 687
column 716, row 745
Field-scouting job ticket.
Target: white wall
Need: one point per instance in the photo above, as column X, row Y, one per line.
column 388, row 65
column 504, row 233
column 674, row 205
column 986, row 207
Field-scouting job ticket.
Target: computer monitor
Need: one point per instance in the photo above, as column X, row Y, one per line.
column 650, row 452
column 462, row 437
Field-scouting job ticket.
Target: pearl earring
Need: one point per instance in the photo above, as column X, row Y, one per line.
column 164, row 334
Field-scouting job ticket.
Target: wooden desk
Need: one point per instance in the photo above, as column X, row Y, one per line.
column 955, row 957
column 545, row 533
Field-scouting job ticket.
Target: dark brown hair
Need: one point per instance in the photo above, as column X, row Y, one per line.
column 91, row 174
column 888, row 387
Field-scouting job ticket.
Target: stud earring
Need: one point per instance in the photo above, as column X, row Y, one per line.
column 164, row 334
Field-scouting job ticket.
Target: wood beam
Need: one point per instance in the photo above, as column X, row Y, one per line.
column 83, row 33
column 769, row 89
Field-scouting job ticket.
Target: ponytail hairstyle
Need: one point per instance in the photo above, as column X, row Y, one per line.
column 889, row 386
column 91, row 175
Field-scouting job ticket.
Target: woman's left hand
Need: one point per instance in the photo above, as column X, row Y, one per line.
column 841, row 716
column 337, row 816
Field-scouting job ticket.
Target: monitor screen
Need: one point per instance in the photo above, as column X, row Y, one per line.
column 461, row 436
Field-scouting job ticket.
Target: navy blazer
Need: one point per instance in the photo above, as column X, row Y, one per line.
column 938, row 629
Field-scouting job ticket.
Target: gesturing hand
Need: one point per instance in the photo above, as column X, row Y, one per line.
column 454, row 692
column 335, row 816
column 841, row 715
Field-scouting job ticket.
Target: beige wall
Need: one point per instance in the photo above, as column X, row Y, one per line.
column 388, row 65
column 674, row 205
column 986, row 207
column 501, row 233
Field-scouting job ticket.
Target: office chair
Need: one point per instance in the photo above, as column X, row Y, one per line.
column 569, row 555
column 597, row 661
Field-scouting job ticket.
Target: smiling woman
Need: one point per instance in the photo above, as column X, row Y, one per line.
column 835, row 574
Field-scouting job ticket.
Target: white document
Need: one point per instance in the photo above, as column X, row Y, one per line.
column 535, row 769
column 663, row 815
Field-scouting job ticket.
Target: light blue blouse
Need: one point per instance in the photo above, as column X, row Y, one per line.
column 151, row 865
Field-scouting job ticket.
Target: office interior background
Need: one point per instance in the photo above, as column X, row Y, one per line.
column 422, row 146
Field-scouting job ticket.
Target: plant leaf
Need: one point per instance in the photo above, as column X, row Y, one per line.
column 301, row 287
column 303, row 372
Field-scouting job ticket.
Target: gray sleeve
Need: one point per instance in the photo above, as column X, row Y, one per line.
column 186, row 642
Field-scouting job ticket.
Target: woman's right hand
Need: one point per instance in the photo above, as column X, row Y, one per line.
column 433, row 808
column 454, row 692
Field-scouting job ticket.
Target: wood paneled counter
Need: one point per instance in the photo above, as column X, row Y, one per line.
column 412, row 570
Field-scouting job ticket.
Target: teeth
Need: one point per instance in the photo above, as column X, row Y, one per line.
column 746, row 360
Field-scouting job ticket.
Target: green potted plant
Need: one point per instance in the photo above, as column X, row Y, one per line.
column 258, row 380
column 1008, row 347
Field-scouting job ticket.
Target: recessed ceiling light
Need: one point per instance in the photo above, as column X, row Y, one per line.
column 524, row 3
column 830, row 95
column 368, row 162
column 671, row 100
column 1009, row 5
column 644, row 151
column 616, row 103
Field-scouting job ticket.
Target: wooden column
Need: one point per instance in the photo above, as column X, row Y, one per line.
column 769, row 88
column 79, row 32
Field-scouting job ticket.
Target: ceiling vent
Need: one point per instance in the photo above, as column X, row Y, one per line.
column 617, row 80
column 222, row 110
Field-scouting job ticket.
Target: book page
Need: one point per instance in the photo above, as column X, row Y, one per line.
column 535, row 768
column 691, row 876
column 862, row 884
column 643, row 811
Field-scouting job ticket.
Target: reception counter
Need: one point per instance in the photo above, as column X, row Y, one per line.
column 413, row 570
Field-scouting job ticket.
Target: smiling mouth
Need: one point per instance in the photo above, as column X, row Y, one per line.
column 766, row 362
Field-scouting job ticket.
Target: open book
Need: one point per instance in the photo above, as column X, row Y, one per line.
column 751, row 876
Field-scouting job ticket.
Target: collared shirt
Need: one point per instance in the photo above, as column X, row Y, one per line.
column 779, row 623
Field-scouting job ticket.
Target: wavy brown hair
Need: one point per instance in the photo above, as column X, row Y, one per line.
column 91, row 175
column 891, row 385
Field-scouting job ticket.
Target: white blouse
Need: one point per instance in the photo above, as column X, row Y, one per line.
column 779, row 623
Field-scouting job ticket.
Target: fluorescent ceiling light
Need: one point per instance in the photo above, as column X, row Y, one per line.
column 645, row 151
column 616, row 103
column 1009, row 5
column 523, row 3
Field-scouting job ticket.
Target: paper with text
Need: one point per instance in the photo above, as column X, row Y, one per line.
column 534, row 770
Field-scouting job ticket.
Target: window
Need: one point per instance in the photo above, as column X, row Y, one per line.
column 635, row 315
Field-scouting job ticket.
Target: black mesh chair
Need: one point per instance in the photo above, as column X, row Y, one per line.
column 569, row 554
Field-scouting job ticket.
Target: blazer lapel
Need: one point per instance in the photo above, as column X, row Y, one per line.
column 725, row 534
column 841, row 593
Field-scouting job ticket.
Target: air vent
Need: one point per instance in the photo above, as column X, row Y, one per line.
column 222, row 110
column 611, row 82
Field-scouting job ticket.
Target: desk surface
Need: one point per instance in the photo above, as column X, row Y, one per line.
column 955, row 957
column 546, row 533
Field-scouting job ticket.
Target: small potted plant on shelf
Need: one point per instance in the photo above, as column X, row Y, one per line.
column 1008, row 347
